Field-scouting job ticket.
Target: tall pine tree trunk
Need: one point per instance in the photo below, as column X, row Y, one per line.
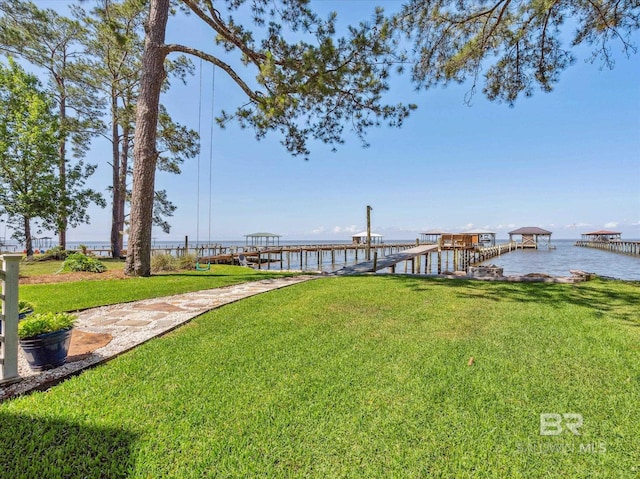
column 116, row 192
column 62, row 219
column 144, row 151
column 124, row 169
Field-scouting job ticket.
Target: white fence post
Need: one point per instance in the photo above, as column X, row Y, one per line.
column 9, row 318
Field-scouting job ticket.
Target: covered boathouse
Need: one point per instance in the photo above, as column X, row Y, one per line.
column 361, row 238
column 531, row 237
column 262, row 239
column 602, row 236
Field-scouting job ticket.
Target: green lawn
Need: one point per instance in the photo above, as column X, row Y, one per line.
column 356, row 377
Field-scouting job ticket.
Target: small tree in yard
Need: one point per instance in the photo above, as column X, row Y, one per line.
column 28, row 152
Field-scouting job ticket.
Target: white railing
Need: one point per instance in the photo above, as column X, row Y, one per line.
column 10, row 265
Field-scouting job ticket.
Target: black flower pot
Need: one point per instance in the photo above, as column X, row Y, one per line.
column 47, row 351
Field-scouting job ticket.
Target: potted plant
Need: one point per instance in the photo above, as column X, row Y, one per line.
column 25, row 308
column 44, row 339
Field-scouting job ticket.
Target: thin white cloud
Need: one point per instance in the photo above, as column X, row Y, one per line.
column 611, row 224
column 345, row 229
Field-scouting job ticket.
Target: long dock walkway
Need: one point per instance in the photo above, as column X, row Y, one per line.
column 616, row 246
column 388, row 261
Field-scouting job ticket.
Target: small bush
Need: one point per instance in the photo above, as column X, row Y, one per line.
column 81, row 262
column 41, row 323
column 55, row 253
column 187, row 261
column 163, row 262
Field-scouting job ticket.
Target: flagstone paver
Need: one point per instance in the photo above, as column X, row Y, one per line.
column 131, row 324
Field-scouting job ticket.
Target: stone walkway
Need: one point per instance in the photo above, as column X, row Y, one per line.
column 105, row 332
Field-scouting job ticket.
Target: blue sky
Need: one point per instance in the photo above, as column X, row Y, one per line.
column 567, row 161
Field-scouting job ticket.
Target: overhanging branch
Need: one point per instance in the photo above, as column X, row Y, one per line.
column 216, row 23
column 253, row 95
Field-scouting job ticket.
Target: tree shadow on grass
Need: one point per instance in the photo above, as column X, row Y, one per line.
column 41, row 447
column 614, row 299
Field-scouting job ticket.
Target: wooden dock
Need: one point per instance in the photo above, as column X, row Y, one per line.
column 389, row 261
column 615, row 246
column 306, row 257
column 417, row 259
column 425, row 258
column 488, row 252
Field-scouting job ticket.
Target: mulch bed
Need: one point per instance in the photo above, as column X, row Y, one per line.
column 79, row 276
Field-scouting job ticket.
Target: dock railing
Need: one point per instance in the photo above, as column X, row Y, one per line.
column 10, row 264
column 615, row 246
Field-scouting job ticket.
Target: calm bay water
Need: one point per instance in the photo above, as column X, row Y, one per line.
column 566, row 256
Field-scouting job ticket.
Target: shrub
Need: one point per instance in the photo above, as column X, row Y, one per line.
column 187, row 261
column 163, row 262
column 55, row 253
column 168, row 262
column 81, row 262
column 41, row 323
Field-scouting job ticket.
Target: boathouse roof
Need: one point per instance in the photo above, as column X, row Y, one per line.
column 530, row 230
column 479, row 231
column 604, row 232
